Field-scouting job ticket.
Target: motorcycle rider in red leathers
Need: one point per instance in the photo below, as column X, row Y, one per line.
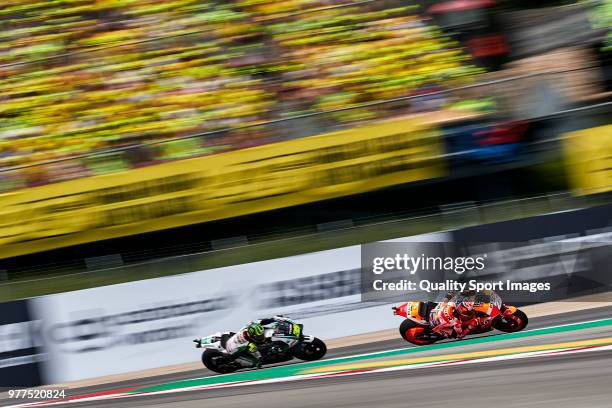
column 454, row 318
column 456, row 314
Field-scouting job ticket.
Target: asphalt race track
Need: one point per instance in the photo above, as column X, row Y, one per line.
column 576, row 382
column 582, row 378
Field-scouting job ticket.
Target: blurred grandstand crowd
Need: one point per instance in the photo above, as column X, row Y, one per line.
column 121, row 76
column 78, row 76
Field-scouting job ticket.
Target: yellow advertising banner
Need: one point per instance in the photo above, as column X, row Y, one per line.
column 588, row 156
column 219, row 186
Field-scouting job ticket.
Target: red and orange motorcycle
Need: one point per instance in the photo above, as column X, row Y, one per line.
column 417, row 329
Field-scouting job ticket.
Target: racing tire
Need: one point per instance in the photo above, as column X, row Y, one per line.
column 207, row 360
column 517, row 322
column 311, row 351
column 410, row 331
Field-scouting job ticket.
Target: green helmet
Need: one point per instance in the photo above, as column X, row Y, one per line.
column 256, row 332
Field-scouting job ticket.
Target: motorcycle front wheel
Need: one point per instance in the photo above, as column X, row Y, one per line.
column 517, row 321
column 310, row 351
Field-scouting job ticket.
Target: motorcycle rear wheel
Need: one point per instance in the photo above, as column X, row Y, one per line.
column 209, row 361
column 415, row 333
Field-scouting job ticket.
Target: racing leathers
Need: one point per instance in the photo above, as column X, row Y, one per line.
column 462, row 313
column 448, row 322
column 242, row 345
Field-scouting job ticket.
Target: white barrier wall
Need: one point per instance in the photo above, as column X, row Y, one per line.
column 150, row 323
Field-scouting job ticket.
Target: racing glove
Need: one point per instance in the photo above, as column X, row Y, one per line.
column 252, row 348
